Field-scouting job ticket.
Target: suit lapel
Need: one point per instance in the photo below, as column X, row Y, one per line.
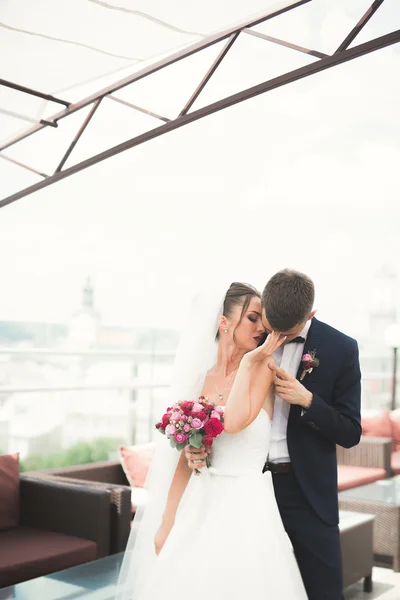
column 311, row 342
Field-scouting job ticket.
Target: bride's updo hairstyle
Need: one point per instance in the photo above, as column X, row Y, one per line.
column 239, row 294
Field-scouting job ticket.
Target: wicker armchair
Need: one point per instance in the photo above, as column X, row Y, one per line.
column 371, row 452
column 60, row 526
column 103, row 475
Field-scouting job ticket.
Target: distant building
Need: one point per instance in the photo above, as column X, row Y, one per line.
column 84, row 325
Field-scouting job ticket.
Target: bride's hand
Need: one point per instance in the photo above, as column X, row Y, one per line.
column 272, row 343
column 161, row 536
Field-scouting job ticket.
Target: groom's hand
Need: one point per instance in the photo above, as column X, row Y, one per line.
column 290, row 389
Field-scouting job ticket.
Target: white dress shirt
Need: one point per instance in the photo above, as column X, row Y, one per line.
column 288, row 357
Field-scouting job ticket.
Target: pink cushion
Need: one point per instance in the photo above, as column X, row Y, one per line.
column 349, row 476
column 395, row 419
column 379, row 425
column 396, row 462
column 9, row 491
column 135, row 461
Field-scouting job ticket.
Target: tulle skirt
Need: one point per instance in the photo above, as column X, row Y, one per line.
column 228, row 543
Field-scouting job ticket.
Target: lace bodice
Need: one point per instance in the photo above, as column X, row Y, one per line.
column 242, row 453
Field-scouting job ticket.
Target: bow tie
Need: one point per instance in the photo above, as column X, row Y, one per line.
column 297, row 340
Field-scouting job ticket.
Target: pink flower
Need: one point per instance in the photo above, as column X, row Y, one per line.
column 197, row 424
column 176, row 416
column 197, row 407
column 180, row 438
column 215, row 415
column 307, row 358
column 219, row 410
column 170, row 429
column 186, row 428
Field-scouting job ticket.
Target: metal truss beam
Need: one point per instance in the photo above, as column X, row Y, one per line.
column 153, row 68
column 20, row 164
column 342, row 55
column 26, row 90
column 78, row 135
column 209, row 73
column 269, row 38
column 360, row 25
column 138, row 108
column 180, row 121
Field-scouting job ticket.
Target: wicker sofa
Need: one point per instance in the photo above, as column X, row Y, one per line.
column 110, row 477
column 384, row 423
column 60, row 526
column 367, row 462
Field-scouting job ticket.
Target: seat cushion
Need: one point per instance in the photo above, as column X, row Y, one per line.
column 26, row 553
column 9, row 491
column 350, row 476
column 396, row 462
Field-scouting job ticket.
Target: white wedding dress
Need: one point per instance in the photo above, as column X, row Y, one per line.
column 228, row 540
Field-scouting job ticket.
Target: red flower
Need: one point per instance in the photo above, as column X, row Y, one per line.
column 201, row 415
column 165, row 420
column 213, row 427
column 159, row 426
column 207, row 441
column 187, row 406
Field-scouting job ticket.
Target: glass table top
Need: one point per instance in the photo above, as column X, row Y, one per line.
column 386, row 491
column 93, row 581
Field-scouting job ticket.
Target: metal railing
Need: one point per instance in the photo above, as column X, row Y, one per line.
column 142, row 392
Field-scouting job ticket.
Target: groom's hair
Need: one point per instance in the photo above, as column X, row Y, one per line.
column 288, row 299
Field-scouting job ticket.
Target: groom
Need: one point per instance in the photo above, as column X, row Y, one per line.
column 317, row 406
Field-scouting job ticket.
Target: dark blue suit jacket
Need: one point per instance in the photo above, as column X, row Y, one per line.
column 333, row 418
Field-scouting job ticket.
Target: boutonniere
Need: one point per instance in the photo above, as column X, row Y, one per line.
column 309, row 362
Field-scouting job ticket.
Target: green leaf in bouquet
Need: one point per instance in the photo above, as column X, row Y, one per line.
column 180, row 446
column 196, row 440
column 172, row 442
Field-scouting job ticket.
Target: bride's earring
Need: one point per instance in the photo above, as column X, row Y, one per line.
column 225, row 330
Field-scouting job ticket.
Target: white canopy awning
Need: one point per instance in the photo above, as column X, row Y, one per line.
column 63, row 49
column 60, row 57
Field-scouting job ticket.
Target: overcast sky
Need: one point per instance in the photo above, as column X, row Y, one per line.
column 305, row 176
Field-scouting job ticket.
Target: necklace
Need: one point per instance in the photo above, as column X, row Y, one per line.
column 221, row 394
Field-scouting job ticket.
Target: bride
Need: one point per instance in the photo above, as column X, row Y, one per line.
column 218, row 536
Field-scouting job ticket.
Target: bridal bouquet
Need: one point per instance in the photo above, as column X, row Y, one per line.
column 194, row 423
